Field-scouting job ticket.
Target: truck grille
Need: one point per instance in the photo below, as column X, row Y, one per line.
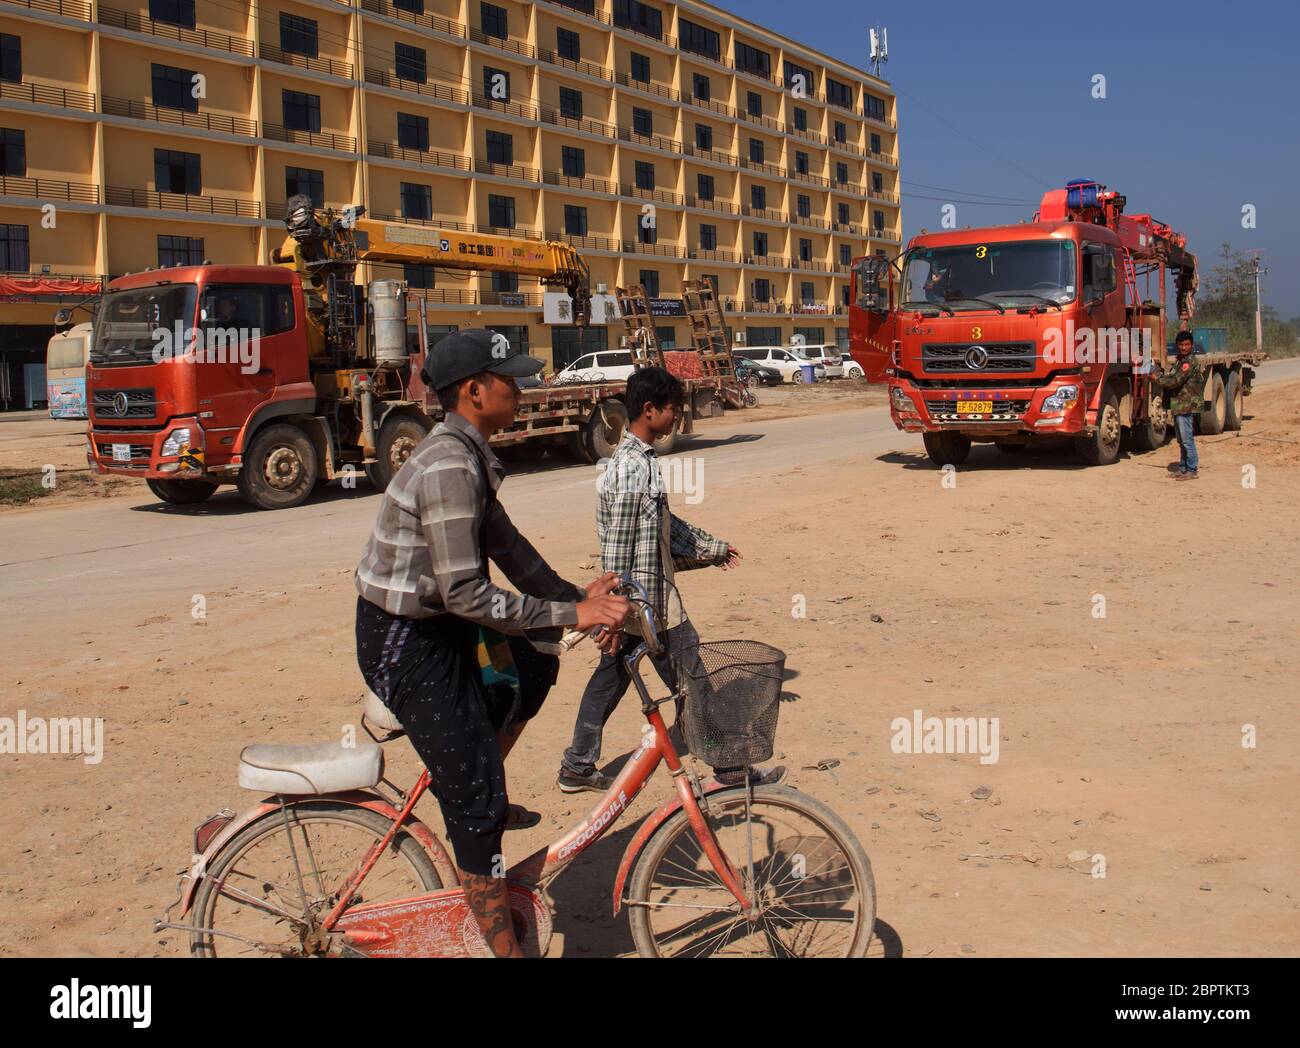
column 1003, row 411
column 976, row 358
column 124, row 403
column 139, row 455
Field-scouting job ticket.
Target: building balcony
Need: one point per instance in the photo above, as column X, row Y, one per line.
column 137, row 23
column 317, row 65
column 77, row 9
column 456, row 225
column 278, row 208
column 720, row 206
column 434, row 22
column 661, row 196
column 635, row 247
column 765, row 214
column 524, row 110
column 49, row 189
column 502, row 43
column 812, row 223
column 667, row 145
column 424, row 157
column 726, row 159
column 442, row 92
column 811, row 266
column 881, row 197
column 320, row 139
column 708, row 254
column 573, row 123
column 583, row 185
column 137, row 110
column 515, row 171
column 229, row 207
column 768, row 261
column 469, row 297
column 44, row 94
column 589, row 243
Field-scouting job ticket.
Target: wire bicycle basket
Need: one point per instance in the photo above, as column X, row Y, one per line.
column 733, row 695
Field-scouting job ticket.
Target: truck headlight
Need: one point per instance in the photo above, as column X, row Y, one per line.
column 1061, row 401
column 902, row 402
column 177, row 437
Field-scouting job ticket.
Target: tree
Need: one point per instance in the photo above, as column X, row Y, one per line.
column 1227, row 299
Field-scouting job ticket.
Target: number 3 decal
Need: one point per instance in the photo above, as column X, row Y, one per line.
column 981, row 251
column 977, row 332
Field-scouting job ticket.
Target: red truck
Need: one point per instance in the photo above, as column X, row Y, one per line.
column 1036, row 332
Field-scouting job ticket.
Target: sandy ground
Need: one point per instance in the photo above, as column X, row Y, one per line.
column 1121, row 736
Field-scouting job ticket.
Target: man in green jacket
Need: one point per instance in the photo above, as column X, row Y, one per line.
column 1185, row 380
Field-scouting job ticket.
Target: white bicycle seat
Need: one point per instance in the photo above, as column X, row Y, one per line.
column 311, row 768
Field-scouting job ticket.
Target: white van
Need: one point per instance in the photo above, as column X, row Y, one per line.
column 827, row 356
column 613, row 365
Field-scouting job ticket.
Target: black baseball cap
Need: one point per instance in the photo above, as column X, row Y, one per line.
column 464, row 353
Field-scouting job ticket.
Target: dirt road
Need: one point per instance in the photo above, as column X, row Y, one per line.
column 1120, row 736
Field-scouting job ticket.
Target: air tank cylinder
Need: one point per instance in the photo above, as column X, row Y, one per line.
column 388, row 317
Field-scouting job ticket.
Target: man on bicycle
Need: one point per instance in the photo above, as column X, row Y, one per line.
column 641, row 536
column 431, row 624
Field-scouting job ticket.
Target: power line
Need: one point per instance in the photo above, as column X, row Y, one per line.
column 968, row 193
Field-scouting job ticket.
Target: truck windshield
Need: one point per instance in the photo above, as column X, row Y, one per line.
column 957, row 278
column 130, row 324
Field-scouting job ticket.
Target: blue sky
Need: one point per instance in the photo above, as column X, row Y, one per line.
column 1201, row 115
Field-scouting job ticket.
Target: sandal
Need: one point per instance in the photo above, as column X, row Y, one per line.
column 520, row 818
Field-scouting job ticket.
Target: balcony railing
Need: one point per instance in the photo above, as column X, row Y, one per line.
column 712, row 205
column 811, row 136
column 502, row 43
column 758, row 165
column 770, row 261
column 317, row 65
column 43, row 94
column 49, row 189
column 434, row 22
column 443, row 92
column 122, row 196
column 807, row 220
column 278, row 208
column 320, row 139
column 663, row 196
column 517, row 171
column 426, row 157
column 592, row 127
column 811, row 266
column 455, row 225
column 137, row 110
column 635, row 247
column 519, row 109
column 67, row 8
column 729, row 159
column 577, row 65
column 137, row 23
column 708, row 254
column 668, row 145
column 649, row 86
column 467, row 297
column 882, row 197
column 590, row 243
column 585, row 185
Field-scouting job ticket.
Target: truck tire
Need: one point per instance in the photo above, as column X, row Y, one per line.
column 1234, row 400
column 1152, row 433
column 665, row 444
column 398, row 437
column 605, row 428
column 182, row 492
column 1012, row 449
column 279, row 468
column 946, row 448
column 1102, row 448
column 1212, row 421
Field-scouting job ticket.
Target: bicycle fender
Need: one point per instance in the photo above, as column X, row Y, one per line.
column 647, row 829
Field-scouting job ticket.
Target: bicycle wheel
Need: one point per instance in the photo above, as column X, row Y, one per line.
column 811, row 877
column 259, row 903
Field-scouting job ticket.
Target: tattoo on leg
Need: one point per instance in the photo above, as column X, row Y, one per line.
column 490, row 905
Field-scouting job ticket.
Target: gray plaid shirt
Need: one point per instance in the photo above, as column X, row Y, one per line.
column 423, row 558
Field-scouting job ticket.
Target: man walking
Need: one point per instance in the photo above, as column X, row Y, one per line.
column 640, row 536
column 430, row 622
column 1186, row 381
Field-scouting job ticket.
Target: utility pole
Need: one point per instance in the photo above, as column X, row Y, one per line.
column 1259, row 320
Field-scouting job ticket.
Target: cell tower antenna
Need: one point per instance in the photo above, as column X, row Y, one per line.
column 879, row 49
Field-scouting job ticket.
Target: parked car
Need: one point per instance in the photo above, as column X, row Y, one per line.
column 788, row 362
column 828, row 356
column 762, row 374
column 609, row 366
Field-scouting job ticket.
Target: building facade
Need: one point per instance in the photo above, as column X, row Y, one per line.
column 666, row 141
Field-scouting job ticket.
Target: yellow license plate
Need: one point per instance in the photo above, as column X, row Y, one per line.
column 974, row 407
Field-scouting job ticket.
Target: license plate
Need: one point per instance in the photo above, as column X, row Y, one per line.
column 974, row 407
column 121, row 452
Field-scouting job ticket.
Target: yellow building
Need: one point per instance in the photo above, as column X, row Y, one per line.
column 667, row 141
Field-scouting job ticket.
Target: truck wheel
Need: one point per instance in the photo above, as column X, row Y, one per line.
column 1234, row 400
column 1212, row 421
column 398, row 437
column 1151, row 434
column 1012, row 449
column 182, row 492
column 279, row 470
column 605, row 429
column 946, row 448
column 665, row 444
column 1102, row 448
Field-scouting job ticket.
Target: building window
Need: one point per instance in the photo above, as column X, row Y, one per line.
column 812, row 336
column 700, row 87
column 13, row 152
column 755, row 151
column 574, row 161
column 875, row 143
column 500, row 148
column 417, row 201
column 302, row 111
column 801, row 163
column 173, row 12
column 412, row 63
column 838, row 94
column 803, row 204
column 496, row 84
column 709, row 238
column 874, row 107
column 704, row 187
column 495, row 21
column 841, row 132
column 640, row 68
column 629, row 14
column 179, row 251
column 805, row 250
column 844, row 295
column 418, row 276
column 877, row 182
column 762, row 290
column 15, row 256
column 568, row 44
column 649, row 279
column 752, row 60
column 516, row 335
column 753, row 103
column 645, row 174
column 507, row 282
column 666, row 337
column 647, row 234
column 298, row 35
column 415, row 7
column 643, row 121
column 846, row 255
column 501, row 211
column 801, row 120
column 305, row 181
column 703, row 136
column 763, row 336
column 174, row 88
column 760, row 245
column 696, row 39
column 570, row 103
column 177, row 172
column 758, row 198
column 575, row 220
column 842, row 173
column 878, row 221
column 842, row 214
column 413, row 132
column 806, row 294
column 792, row 70
column 11, row 58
